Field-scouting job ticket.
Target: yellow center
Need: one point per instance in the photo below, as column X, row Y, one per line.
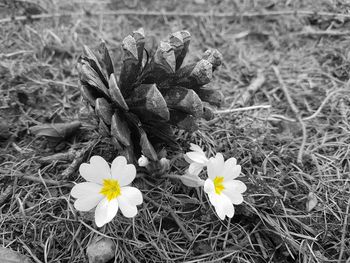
column 218, row 184
column 110, row 189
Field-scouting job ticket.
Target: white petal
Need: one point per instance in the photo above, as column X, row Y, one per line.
column 235, row 198
column 85, row 189
column 235, row 186
column 234, row 190
column 197, row 157
column 128, row 209
column 216, row 202
column 133, row 194
column 123, row 172
column 96, row 171
column 209, row 186
column 223, row 206
column 195, row 168
column 88, row 202
column 228, row 206
column 105, row 211
column 196, row 148
column 118, row 163
column 231, row 169
column 234, row 173
column 215, row 166
column 187, row 159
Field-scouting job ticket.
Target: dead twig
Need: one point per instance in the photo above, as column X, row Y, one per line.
column 243, row 109
column 182, row 14
column 66, row 156
column 345, row 225
column 41, row 180
column 16, row 53
column 78, row 159
column 312, row 32
column 257, row 83
column 295, row 110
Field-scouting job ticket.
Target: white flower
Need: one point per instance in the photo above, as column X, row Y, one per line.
column 107, row 189
column 196, row 158
column 143, row 161
column 223, row 191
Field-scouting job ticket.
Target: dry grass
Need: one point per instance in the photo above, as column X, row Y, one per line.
column 305, row 61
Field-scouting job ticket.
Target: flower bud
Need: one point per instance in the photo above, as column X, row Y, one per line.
column 143, row 161
column 165, row 164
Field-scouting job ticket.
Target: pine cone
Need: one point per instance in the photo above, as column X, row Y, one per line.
column 153, row 94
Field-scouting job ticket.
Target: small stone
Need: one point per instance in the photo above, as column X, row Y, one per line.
column 101, row 250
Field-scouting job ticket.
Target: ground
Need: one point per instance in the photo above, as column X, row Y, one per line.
column 293, row 144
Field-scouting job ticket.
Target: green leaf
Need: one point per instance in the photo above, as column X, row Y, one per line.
column 56, row 131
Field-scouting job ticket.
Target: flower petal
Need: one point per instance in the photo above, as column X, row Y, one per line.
column 196, row 148
column 133, row 194
column 233, row 190
column 209, row 186
column 87, row 203
column 216, row 166
column 231, row 169
column 118, row 164
column 128, row 209
column 187, row 159
column 235, row 186
column 123, row 172
column 85, row 189
column 235, row 198
column 222, row 204
column 128, row 175
column 197, row 157
column 96, row 171
column 105, row 211
column 195, row 168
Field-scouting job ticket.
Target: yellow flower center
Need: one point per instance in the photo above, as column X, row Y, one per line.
column 218, row 184
column 110, row 189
